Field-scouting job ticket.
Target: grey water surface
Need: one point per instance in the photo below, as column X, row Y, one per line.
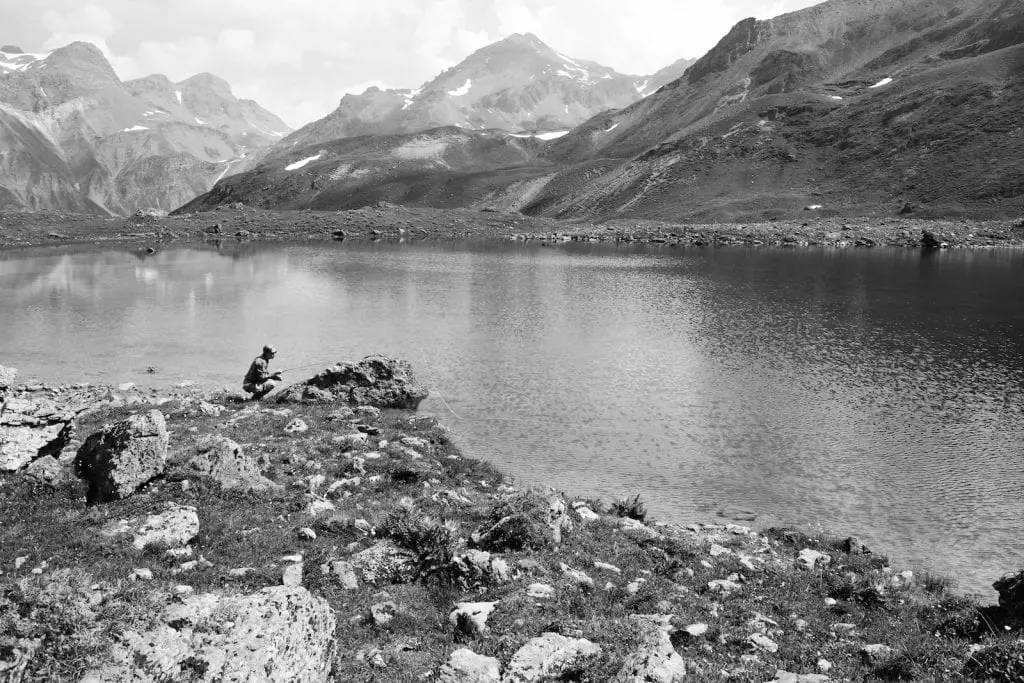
column 870, row 392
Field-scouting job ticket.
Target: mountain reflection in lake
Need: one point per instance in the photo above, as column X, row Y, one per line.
column 872, row 392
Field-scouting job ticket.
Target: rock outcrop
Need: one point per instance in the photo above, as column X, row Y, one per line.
column 281, row 633
column 30, row 428
column 376, row 381
column 548, row 657
column 657, row 661
column 173, row 527
column 123, row 456
column 223, row 460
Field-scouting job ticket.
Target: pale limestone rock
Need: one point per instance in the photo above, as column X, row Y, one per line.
column 278, row 634
column 607, row 567
column 637, row 529
column 471, row 617
column 657, row 660
column 174, row 526
column 810, row 558
column 787, row 677
column 877, row 653
column 292, row 575
column 385, row 562
column 222, row 459
column 541, row 591
column 763, row 642
column 465, row 666
column 581, row 578
column 383, row 612
column 45, row 470
column 296, row 426
column 346, row 573
column 123, row 456
column 546, row 657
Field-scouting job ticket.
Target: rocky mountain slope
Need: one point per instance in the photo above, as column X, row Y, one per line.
column 851, row 107
column 74, row 137
column 518, row 84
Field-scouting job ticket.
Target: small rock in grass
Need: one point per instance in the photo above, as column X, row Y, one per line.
column 471, row 617
column 240, row 571
column 723, row 586
column 696, row 630
column 307, row 534
column 142, row 574
column 843, row 629
column 294, row 557
column 547, row 657
column 292, row 575
column 579, row 577
column 296, row 426
column 810, row 558
column 465, row 666
column 541, row 591
column 824, row 666
column 787, row 677
column 876, row 653
column 607, row 567
column 319, row 507
column 763, row 642
column 19, row 561
column 346, row 573
column 383, row 612
column 717, row 550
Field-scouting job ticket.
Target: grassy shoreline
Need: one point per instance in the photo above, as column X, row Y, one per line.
column 738, row 604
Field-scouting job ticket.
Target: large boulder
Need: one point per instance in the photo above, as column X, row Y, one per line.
column 123, row 456
column 282, row 633
column 374, row 381
column 223, row 460
column 30, row 428
column 1011, row 596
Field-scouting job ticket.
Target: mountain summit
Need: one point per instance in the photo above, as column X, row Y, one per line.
column 519, row 84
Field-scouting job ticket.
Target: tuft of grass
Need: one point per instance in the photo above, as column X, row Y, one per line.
column 630, row 507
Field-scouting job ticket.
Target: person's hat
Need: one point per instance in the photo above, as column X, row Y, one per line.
column 269, row 348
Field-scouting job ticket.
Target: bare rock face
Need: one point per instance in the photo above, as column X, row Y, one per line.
column 123, row 456
column 376, row 381
column 30, row 428
column 548, row 657
column 281, row 633
column 222, row 459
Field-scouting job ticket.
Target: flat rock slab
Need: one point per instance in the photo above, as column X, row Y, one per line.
column 282, row 633
column 173, row 527
column 547, row 657
column 223, row 460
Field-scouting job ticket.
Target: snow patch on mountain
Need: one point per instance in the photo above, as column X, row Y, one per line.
column 134, row 128
column 299, row 164
column 884, row 81
column 464, row 90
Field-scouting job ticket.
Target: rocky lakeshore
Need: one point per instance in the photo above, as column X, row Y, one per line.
column 331, row 533
column 238, row 222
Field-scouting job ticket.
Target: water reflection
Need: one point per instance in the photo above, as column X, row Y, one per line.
column 872, row 391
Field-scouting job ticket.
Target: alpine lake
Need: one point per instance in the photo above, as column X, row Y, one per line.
column 868, row 392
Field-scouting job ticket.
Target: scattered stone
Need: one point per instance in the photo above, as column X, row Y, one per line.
column 346, row 573
column 696, row 630
column 465, row 666
column 657, row 660
column 222, row 459
column 296, row 426
column 844, row 629
column 637, row 529
column 341, row 414
column 480, row 566
column 354, row 440
column 292, row 575
column 876, row 654
column 541, row 591
column 580, row 578
column 607, row 567
column 210, row 409
column 173, row 527
column 586, row 514
column 142, row 574
column 723, row 586
column 117, row 460
column 318, row 507
column 385, row 562
column 763, row 642
column 307, row 534
column 471, row 617
column 30, row 428
column 381, row 613
column 280, row 633
column 717, row 550
column 45, row 470
column 809, row 558
column 787, row 677
column 824, row 666
column 547, row 656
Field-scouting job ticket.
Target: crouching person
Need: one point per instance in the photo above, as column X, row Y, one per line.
column 259, row 381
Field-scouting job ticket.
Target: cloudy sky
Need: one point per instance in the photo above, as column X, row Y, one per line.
column 298, row 57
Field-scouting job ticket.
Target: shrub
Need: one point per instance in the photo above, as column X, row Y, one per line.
column 630, row 507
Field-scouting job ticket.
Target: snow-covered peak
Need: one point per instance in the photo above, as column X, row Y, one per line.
column 20, row 61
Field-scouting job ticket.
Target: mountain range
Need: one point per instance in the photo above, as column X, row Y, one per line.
column 73, row 136
column 850, row 107
column 518, row 84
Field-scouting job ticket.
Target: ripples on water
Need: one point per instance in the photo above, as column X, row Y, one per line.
column 866, row 391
